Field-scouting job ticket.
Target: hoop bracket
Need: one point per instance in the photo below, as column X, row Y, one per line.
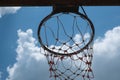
column 63, row 8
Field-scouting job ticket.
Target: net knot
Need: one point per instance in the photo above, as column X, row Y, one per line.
column 55, row 76
column 51, row 69
column 51, row 62
column 88, row 62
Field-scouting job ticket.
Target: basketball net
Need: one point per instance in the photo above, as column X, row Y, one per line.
column 69, row 50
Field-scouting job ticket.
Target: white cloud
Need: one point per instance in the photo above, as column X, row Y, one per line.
column 77, row 38
column 109, row 45
column 32, row 65
column 8, row 10
column 106, row 56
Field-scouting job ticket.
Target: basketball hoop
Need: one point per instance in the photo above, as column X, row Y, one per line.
column 67, row 44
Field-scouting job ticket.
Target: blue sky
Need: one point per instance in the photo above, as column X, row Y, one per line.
column 15, row 21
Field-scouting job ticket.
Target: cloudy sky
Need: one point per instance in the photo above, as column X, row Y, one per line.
column 20, row 58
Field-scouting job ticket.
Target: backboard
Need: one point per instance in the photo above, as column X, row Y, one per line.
column 60, row 2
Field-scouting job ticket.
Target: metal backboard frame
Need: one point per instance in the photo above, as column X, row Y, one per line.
column 60, row 2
